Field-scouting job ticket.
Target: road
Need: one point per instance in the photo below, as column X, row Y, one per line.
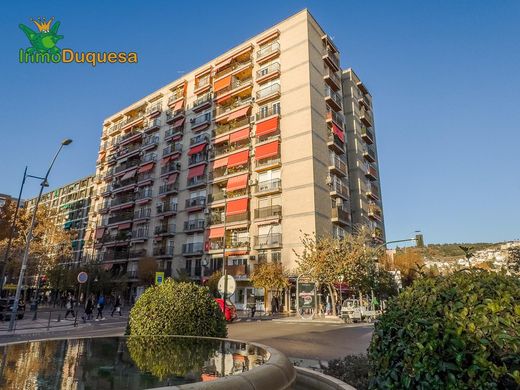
column 311, row 341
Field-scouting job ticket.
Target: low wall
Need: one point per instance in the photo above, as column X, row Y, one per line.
column 313, row 380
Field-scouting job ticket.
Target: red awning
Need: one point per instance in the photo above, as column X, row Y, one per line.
column 221, row 162
column 237, row 182
column 239, row 135
column 166, row 160
column 233, row 252
column 100, row 232
column 129, row 174
column 338, row 132
column 178, row 123
column 146, row 167
column 267, row 150
column 172, row 178
column 216, row 232
column 196, row 149
column 237, row 206
column 178, row 105
column 240, row 158
column 267, row 127
column 239, row 113
column 219, row 140
column 124, row 226
column 196, row 171
column 222, row 83
column 102, row 155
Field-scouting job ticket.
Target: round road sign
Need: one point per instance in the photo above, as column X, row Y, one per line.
column 82, row 277
column 231, row 285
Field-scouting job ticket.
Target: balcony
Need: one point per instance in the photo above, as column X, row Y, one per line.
column 216, row 245
column 267, row 163
column 200, row 122
column 337, row 166
column 172, row 116
column 145, row 177
column 274, row 211
column 224, row 173
column 196, row 181
column 172, row 167
column 198, row 202
column 268, row 93
column 371, row 172
column 340, row 216
column 268, row 187
column 233, row 125
column 366, row 118
column 127, row 151
column 174, row 131
column 369, row 155
column 332, row 79
column 111, row 256
column 331, row 58
column 333, row 116
column 142, row 214
column 235, row 104
column 374, row 212
column 196, row 225
column 236, row 86
column 339, row 189
column 268, row 52
column 137, row 254
column 163, row 251
column 152, row 126
column 238, row 218
column 199, row 139
column 154, row 109
column 172, row 149
column 144, row 195
column 165, row 230
column 196, row 159
column 267, row 73
column 239, row 271
column 150, row 142
column 333, row 99
column 128, row 216
column 219, row 151
column 121, row 200
column 335, row 143
column 140, row 235
column 150, row 157
column 202, row 102
column 130, row 137
column 166, row 208
column 373, row 192
column 168, row 189
column 367, row 135
column 128, row 165
column 364, row 103
column 177, row 95
column 234, row 67
column 268, row 240
column 193, row 249
column 266, row 113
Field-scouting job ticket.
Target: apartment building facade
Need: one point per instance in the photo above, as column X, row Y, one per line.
column 69, row 206
column 231, row 163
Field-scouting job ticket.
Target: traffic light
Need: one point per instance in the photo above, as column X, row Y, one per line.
column 419, row 241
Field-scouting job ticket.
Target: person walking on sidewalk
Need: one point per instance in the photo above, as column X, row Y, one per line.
column 69, row 305
column 100, row 307
column 117, row 306
column 89, row 308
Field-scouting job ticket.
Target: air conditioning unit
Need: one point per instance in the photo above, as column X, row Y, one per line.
column 253, row 258
column 253, row 182
column 206, row 210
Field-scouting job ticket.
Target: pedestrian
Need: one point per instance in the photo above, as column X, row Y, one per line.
column 273, row 305
column 328, row 307
column 277, row 304
column 100, row 306
column 253, row 309
column 338, row 308
column 69, row 305
column 117, row 306
column 89, row 308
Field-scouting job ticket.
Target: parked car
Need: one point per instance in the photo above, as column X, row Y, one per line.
column 6, row 307
column 231, row 310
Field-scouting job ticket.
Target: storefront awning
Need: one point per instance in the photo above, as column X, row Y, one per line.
column 240, row 158
column 196, row 171
column 222, row 83
column 196, row 149
column 216, row 232
column 237, row 182
column 267, row 127
column 239, row 113
column 267, row 150
column 339, row 133
column 146, row 168
column 221, row 162
column 237, row 206
column 129, row 174
column 239, row 135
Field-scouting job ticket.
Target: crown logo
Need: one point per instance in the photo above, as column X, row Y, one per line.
column 43, row 24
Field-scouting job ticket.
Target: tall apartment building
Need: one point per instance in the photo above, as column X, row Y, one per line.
column 365, row 193
column 70, row 209
column 232, row 162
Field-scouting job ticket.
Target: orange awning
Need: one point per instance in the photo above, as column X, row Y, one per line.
column 196, row 149
column 216, row 232
column 234, row 252
column 237, row 206
column 166, row 160
column 267, row 127
column 172, row 178
column 102, row 155
column 99, row 232
column 338, row 132
column 239, row 113
column 221, row 162
column 178, row 105
column 237, row 182
column 129, row 174
column 146, row 167
column 222, row 83
column 219, row 140
column 178, row 123
column 239, row 135
column 267, row 150
column 222, row 64
column 237, row 159
column 196, row 171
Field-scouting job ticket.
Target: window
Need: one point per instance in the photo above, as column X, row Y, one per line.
column 188, row 266
column 273, row 174
column 262, row 257
column 276, row 256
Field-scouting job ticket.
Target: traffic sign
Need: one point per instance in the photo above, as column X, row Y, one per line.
column 231, row 285
column 82, row 277
column 159, row 278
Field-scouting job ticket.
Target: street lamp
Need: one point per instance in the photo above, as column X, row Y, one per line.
column 43, row 184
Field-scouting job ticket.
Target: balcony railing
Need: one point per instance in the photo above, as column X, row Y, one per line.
column 268, row 162
column 332, row 75
column 163, row 251
column 268, row 50
column 144, row 193
column 369, row 155
column 242, row 217
column 331, row 57
column 367, row 135
column 121, row 217
column 272, row 239
column 170, row 168
column 198, row 158
column 219, row 151
column 193, row 248
column 149, row 141
column 268, row 91
column 333, row 98
column 199, row 201
column 221, row 129
column 172, row 131
column 166, row 229
column 206, row 99
column 237, row 102
column 173, row 148
column 176, row 95
column 122, row 200
column 371, row 172
column 235, row 83
column 340, row 214
column 140, row 234
column 264, row 113
column 268, row 185
column 193, row 225
column 167, row 208
column 168, row 188
column 143, row 213
column 149, row 158
column 338, row 164
column 127, row 165
column 336, row 117
column 268, row 70
column 339, row 188
column 269, row 211
column 154, row 109
column 366, row 117
column 198, row 139
column 233, row 66
column 196, row 181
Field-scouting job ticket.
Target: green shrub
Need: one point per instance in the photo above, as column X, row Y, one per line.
column 352, row 369
column 460, row 331
column 177, row 309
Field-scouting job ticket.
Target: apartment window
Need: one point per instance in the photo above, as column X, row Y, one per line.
column 237, row 261
column 262, row 256
column 276, row 256
column 188, row 266
column 216, row 264
column 270, row 201
column 267, row 176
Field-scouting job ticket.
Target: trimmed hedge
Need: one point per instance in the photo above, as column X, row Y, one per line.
column 177, row 309
column 460, row 331
column 352, row 369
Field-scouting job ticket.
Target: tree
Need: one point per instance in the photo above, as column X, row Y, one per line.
column 147, row 267
column 270, row 276
column 408, row 261
column 212, row 283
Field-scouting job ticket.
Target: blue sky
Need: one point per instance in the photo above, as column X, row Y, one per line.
column 443, row 74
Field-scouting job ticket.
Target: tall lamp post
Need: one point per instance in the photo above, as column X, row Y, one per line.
column 25, row 258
